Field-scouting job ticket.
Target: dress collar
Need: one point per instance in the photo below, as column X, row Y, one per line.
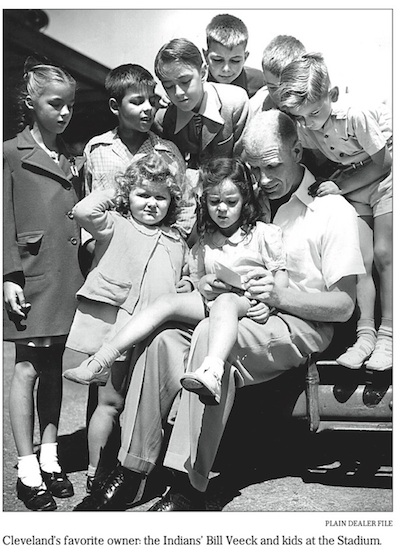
column 218, row 239
column 151, row 231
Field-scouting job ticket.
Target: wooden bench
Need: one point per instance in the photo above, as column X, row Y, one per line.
column 339, row 399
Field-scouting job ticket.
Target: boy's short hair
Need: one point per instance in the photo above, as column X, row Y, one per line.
column 178, row 50
column 305, row 80
column 228, row 30
column 282, row 50
column 123, row 77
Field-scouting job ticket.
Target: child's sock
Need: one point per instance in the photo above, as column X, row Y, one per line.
column 29, row 470
column 48, row 458
column 106, row 355
column 366, row 332
column 381, row 359
column 385, row 334
column 91, row 471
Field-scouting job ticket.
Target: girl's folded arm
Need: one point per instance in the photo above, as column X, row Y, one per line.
column 92, row 213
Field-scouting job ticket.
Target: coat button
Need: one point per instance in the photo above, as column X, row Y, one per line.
column 70, row 215
column 74, row 241
column 341, row 154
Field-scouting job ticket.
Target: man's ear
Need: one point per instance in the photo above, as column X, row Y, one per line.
column 114, row 106
column 298, row 151
column 29, row 103
column 246, row 55
column 334, row 94
column 205, row 54
column 204, row 72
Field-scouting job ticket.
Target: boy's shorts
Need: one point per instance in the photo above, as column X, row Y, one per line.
column 375, row 199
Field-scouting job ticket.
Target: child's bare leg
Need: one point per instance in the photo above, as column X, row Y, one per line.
column 21, row 409
column 183, row 307
column 225, row 313
column 356, row 355
column 381, row 358
column 110, row 404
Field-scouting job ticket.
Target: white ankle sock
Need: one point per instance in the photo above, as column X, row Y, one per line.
column 48, row 458
column 107, row 355
column 29, row 470
column 91, row 471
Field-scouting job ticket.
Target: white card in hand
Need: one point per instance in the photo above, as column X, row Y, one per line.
column 228, row 276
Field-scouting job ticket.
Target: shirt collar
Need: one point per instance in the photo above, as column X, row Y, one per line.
column 209, row 108
column 302, row 191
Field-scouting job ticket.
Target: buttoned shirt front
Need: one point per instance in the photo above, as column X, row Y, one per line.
column 350, row 134
column 320, row 236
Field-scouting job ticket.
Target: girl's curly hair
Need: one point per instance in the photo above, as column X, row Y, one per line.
column 158, row 167
column 214, row 172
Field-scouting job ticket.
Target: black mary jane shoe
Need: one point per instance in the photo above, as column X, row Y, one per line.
column 58, row 484
column 115, row 494
column 36, row 499
column 178, row 501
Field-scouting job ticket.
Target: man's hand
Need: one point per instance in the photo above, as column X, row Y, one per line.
column 259, row 283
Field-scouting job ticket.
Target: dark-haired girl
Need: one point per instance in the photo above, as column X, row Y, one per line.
column 230, row 234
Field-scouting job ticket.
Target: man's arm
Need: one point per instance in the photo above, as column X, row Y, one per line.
column 335, row 305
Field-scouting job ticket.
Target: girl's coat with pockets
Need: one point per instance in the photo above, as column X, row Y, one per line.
column 41, row 237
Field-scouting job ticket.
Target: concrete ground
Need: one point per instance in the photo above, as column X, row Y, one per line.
column 267, row 463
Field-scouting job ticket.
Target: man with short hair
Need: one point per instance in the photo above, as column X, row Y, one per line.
column 323, row 259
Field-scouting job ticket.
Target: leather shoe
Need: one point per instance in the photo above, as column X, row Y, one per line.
column 177, row 501
column 37, row 499
column 116, row 493
column 58, row 484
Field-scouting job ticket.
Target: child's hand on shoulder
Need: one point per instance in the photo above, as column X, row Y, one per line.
column 324, row 188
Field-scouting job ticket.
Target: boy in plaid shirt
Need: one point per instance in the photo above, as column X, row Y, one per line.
column 132, row 99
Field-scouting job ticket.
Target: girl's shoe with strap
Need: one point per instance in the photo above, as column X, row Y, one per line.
column 96, row 369
column 206, row 382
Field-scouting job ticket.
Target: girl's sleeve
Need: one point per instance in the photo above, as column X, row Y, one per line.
column 271, row 245
column 93, row 214
column 197, row 268
column 11, row 259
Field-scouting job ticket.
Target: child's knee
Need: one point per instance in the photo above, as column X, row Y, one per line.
column 382, row 256
column 25, row 371
column 225, row 299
